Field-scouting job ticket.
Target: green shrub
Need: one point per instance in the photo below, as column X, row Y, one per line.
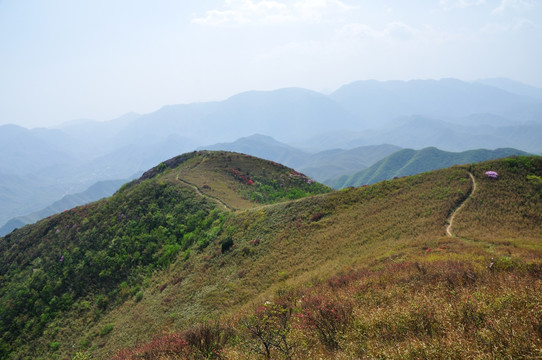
column 84, row 305
column 81, row 356
column 227, row 243
column 169, row 252
column 106, row 329
column 536, row 181
column 161, row 167
column 102, row 301
column 138, row 296
column 517, row 161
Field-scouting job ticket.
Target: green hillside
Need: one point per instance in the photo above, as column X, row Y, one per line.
column 96, row 256
column 409, row 162
column 221, row 255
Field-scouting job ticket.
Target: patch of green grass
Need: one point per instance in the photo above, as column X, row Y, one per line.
column 106, row 329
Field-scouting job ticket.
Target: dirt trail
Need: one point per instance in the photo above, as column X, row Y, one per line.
column 452, row 216
column 212, row 198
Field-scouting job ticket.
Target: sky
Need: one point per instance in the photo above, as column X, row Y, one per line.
column 62, row 60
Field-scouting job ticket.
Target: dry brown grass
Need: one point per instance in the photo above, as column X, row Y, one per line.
column 506, row 209
column 439, row 310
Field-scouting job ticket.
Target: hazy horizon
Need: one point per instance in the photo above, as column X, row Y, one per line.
column 65, row 60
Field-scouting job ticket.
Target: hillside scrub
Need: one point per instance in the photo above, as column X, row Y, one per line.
column 438, row 309
column 95, row 254
column 358, row 273
column 421, row 295
column 283, row 244
column 86, row 261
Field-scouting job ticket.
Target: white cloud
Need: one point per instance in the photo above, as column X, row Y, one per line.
column 513, row 5
column 400, row 31
column 317, row 9
column 461, row 4
column 391, row 31
column 359, row 30
column 501, row 27
column 239, row 12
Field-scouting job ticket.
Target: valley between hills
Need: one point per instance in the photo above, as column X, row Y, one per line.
column 221, row 255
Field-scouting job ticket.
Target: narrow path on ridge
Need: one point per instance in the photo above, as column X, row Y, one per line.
column 452, row 216
column 200, row 193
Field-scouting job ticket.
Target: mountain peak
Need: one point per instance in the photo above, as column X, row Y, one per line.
column 260, row 138
column 236, row 180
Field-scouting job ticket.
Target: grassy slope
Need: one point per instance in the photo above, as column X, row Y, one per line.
column 507, row 209
column 63, row 273
column 409, row 162
column 413, row 292
column 292, row 249
column 393, row 231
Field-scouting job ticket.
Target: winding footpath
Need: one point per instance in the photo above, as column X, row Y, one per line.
column 200, row 193
column 452, row 216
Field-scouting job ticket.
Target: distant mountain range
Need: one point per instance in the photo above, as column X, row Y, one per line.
column 444, row 99
column 513, row 87
column 474, row 131
column 97, row 191
column 409, row 162
column 40, row 166
column 320, row 166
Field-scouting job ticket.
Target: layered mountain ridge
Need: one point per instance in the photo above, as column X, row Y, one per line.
column 410, row 162
column 449, row 114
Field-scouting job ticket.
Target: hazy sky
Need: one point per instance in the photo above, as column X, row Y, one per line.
column 67, row 59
